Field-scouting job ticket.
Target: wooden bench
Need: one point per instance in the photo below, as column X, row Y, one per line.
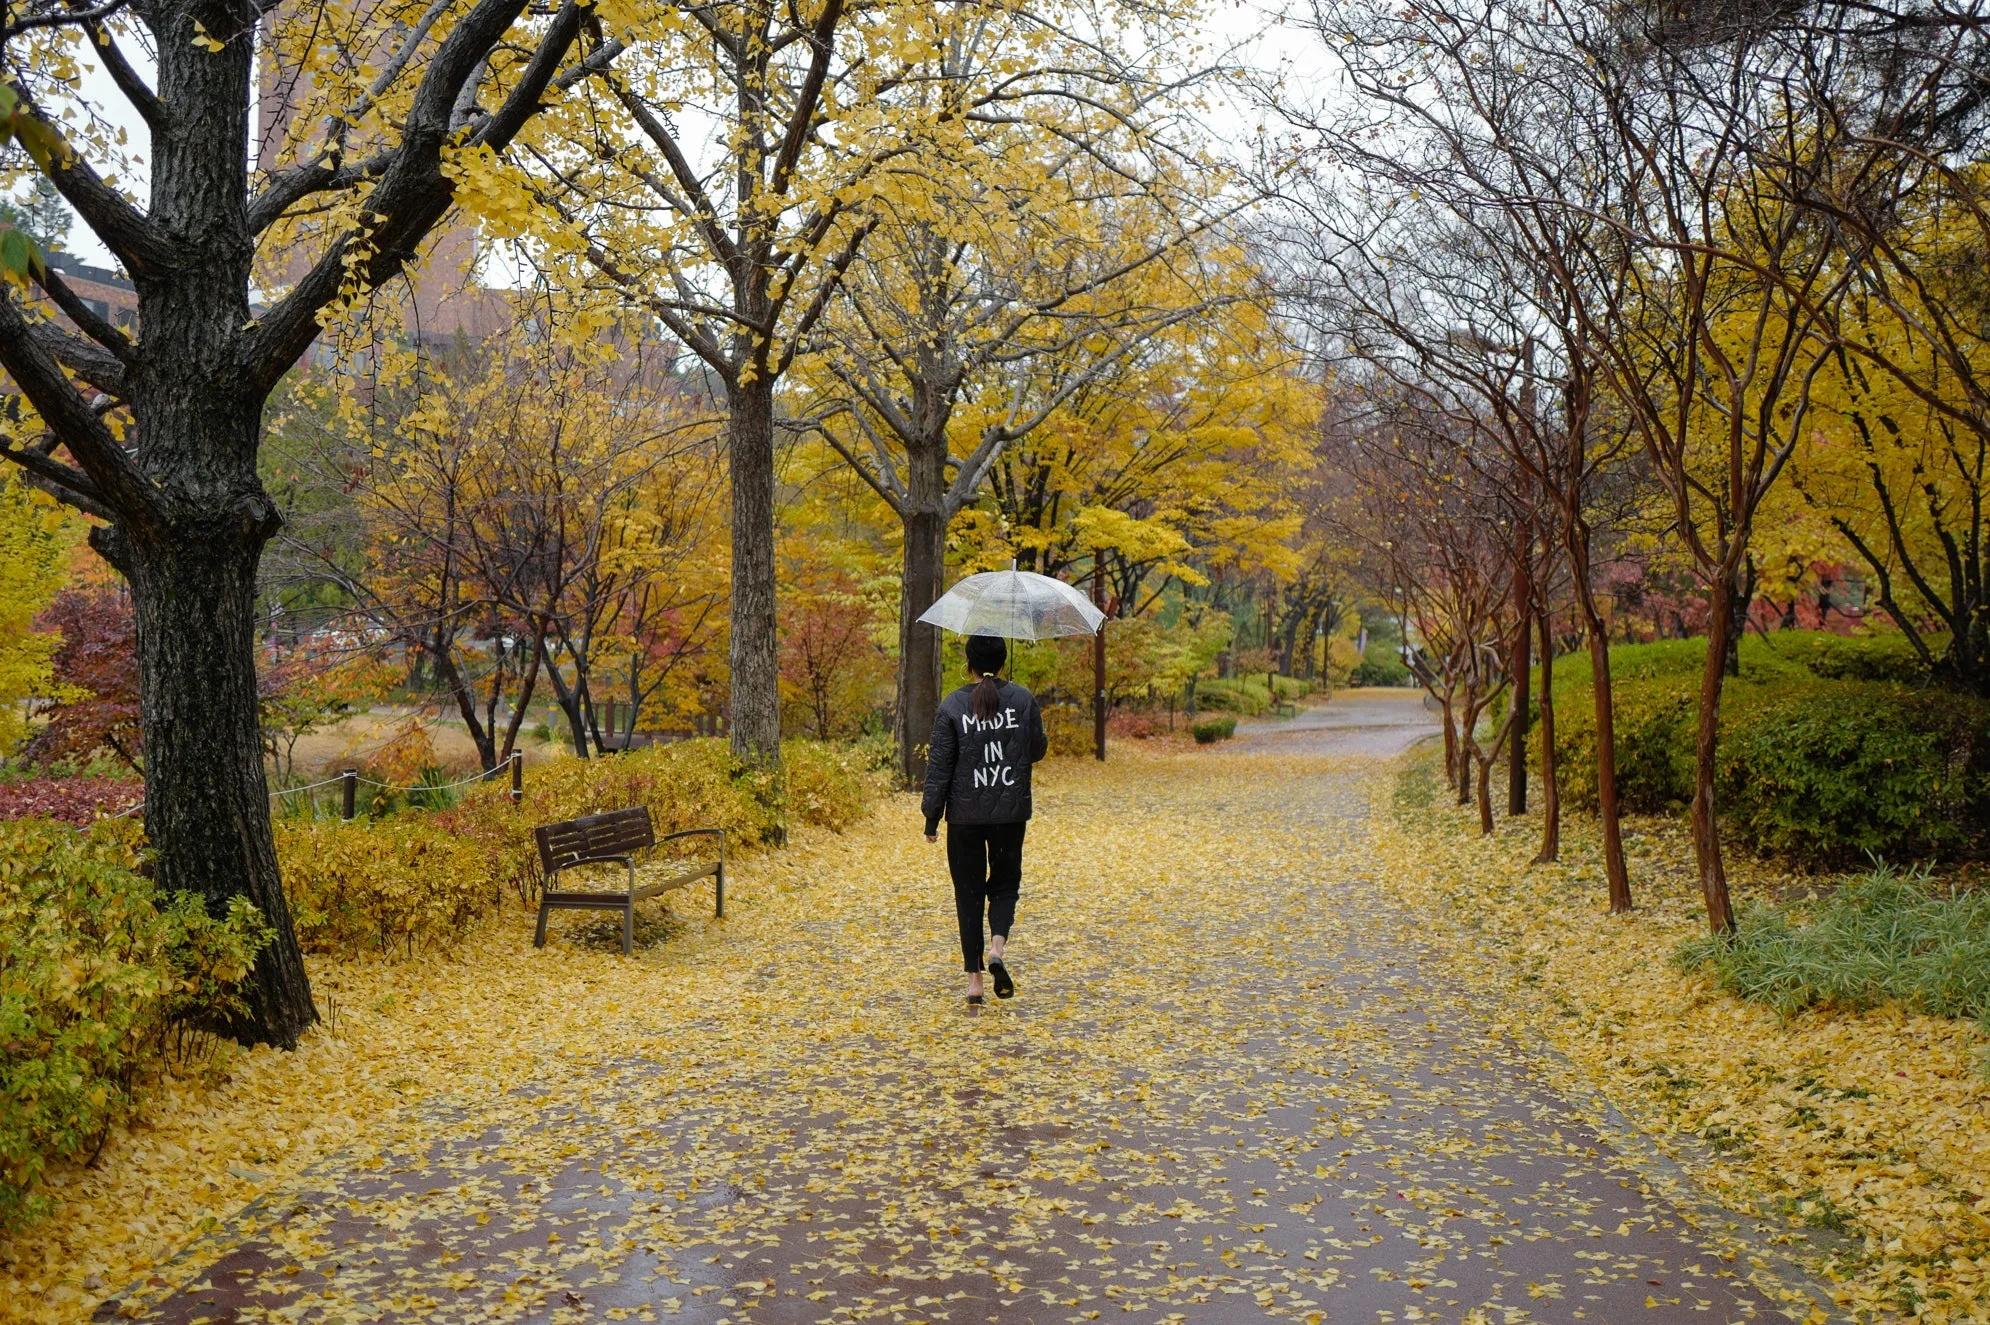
column 613, row 839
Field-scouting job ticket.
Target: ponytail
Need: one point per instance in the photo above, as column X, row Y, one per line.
column 985, row 656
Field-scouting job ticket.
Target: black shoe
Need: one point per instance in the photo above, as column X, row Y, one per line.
column 998, row 971
column 974, row 1000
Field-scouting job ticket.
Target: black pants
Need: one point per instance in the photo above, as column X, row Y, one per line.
column 986, row 861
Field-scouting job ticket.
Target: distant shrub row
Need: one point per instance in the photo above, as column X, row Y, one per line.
column 1831, row 750
column 415, row 882
column 1246, row 694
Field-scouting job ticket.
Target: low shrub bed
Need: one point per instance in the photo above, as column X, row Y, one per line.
column 102, row 978
column 1820, row 763
column 77, row 800
column 401, row 886
column 1141, row 725
column 1211, row 730
column 1881, row 937
column 415, row 882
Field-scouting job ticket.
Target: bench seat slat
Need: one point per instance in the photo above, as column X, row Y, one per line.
column 644, row 891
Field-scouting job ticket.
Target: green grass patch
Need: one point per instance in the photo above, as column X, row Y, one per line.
column 1883, row 936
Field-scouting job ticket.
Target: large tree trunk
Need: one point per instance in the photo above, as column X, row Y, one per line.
column 1706, row 828
column 1450, row 736
column 1523, row 624
column 206, row 799
column 1597, row 630
column 193, row 573
column 482, row 735
column 919, row 660
column 756, row 651
column 1293, row 620
column 1551, row 783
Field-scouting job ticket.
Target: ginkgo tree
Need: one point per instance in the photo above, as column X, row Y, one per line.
column 984, row 302
column 1182, row 462
column 155, row 429
column 728, row 176
column 515, row 513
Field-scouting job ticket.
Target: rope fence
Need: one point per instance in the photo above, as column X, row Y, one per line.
column 348, row 782
column 291, row 791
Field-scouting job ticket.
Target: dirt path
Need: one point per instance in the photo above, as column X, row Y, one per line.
column 1227, row 1091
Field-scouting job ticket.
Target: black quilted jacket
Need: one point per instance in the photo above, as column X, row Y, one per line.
column 979, row 772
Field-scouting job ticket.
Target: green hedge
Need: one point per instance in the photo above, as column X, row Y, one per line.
column 1819, row 762
column 1381, row 667
column 1247, row 694
column 1211, row 730
column 1834, row 772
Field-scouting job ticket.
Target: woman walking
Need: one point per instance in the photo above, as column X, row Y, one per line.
column 985, row 737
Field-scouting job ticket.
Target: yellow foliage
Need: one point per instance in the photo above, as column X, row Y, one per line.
column 36, row 536
column 1872, row 1121
column 397, row 886
column 1183, row 462
column 1288, row 1036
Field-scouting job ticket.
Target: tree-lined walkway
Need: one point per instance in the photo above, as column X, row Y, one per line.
column 1227, row 1092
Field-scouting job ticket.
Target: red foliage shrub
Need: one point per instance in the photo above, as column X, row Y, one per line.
column 99, row 654
column 76, row 800
column 1142, row 726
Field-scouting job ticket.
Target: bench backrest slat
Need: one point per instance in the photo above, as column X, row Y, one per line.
column 616, row 833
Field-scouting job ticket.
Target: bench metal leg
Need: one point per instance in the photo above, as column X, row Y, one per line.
column 719, row 890
column 539, row 935
column 629, row 915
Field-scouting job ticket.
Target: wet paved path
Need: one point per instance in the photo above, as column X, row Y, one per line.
column 1372, row 723
column 1228, row 1091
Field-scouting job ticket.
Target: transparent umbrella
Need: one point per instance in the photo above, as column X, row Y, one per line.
column 1015, row 604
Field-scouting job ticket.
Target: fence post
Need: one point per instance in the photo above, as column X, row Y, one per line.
column 348, row 793
column 517, row 776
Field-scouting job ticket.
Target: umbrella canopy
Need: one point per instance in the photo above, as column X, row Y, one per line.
column 1015, row 604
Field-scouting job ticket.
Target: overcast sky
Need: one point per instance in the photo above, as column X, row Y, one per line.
column 1247, row 25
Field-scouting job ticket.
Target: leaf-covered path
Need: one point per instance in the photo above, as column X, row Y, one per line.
column 1227, row 1091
